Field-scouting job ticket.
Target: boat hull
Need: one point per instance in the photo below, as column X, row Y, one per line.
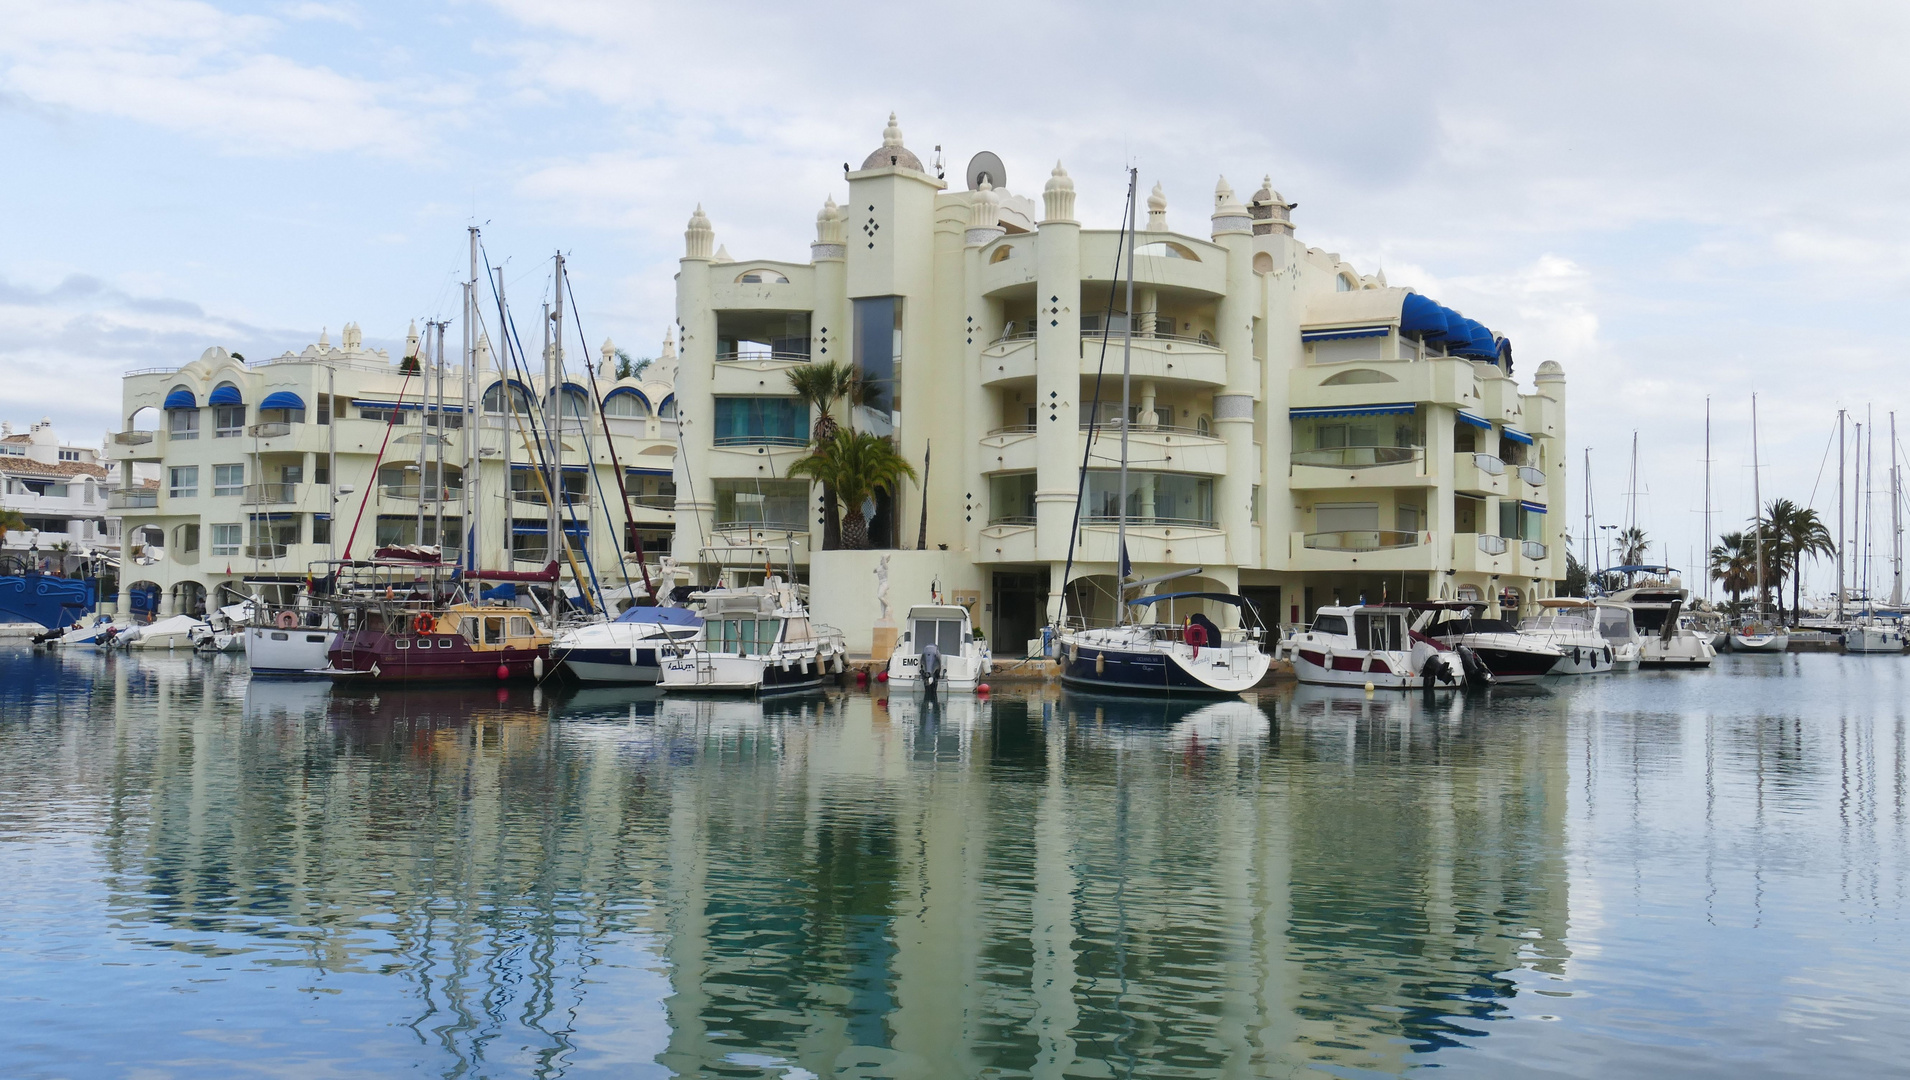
column 631, row 666
column 289, row 652
column 1873, row 640
column 372, row 656
column 962, row 673
column 720, row 674
column 1760, row 643
column 1110, row 669
column 1515, row 665
column 1318, row 667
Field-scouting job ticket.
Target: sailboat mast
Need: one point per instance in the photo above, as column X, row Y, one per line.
column 510, row 419
column 553, row 477
column 437, row 498
column 1757, row 504
column 1585, row 542
column 1842, row 538
column 467, row 498
column 1870, row 513
column 1127, row 354
column 1896, row 520
column 1707, row 497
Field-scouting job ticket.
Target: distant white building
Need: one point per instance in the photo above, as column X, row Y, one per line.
column 60, row 490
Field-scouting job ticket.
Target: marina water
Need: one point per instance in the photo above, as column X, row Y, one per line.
column 1682, row 874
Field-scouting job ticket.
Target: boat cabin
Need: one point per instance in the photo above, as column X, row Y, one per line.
column 1370, row 627
column 749, row 623
column 946, row 625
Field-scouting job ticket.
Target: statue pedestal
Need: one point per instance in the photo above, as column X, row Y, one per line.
column 882, row 641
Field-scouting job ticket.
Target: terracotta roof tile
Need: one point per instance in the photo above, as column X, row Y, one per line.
column 26, row 467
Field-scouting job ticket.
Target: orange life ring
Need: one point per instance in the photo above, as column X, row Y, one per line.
column 287, row 620
column 424, row 623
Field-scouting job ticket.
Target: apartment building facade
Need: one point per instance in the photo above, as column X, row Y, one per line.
column 1300, row 432
column 61, row 492
column 267, row 469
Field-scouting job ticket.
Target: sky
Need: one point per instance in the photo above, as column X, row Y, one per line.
column 1674, row 201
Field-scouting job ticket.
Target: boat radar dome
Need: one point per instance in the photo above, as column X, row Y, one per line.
column 892, row 152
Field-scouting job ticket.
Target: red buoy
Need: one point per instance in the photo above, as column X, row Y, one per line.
column 504, row 671
column 982, row 689
column 862, row 677
column 882, row 676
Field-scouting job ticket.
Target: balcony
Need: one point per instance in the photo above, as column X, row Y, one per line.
column 1533, row 550
column 133, row 499
column 765, row 355
column 263, row 551
column 1360, row 550
column 1008, row 360
column 1531, row 476
column 269, row 431
column 1481, row 474
column 654, row 502
column 132, row 438
column 269, row 494
column 1174, row 449
column 1481, row 553
column 1361, row 540
column 1359, row 466
column 431, row 493
column 1159, row 357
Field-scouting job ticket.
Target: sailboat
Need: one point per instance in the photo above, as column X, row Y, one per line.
column 1153, row 654
column 1873, row 631
column 1760, row 634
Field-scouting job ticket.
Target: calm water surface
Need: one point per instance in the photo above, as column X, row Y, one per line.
column 1640, row 875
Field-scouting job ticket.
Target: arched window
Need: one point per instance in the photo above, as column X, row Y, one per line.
column 1345, row 283
column 1204, row 424
column 1002, row 253
column 494, row 398
column 1167, row 249
column 667, row 410
column 761, row 277
column 1470, row 592
column 626, row 404
column 576, row 403
column 1357, row 376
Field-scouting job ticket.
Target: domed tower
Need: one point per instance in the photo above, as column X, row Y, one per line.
column 1270, row 211
column 892, row 154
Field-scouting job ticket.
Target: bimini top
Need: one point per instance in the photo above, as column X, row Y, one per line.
column 1223, row 597
column 1640, row 570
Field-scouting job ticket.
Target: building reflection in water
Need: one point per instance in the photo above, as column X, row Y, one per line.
column 847, row 885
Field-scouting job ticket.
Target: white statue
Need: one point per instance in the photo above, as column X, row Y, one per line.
column 666, row 577
column 882, row 588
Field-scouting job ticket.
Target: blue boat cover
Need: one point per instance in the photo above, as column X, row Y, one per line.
column 671, row 616
column 282, row 399
column 181, row 399
column 225, row 394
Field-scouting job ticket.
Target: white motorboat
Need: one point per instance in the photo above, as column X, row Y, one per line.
column 1760, row 637
column 1511, row 656
column 1371, row 646
column 1709, row 624
column 224, row 630
column 961, row 660
column 101, row 631
column 755, row 640
column 1615, row 625
column 1192, row 658
column 1871, row 633
column 1569, row 624
column 175, row 632
column 1654, row 604
column 624, row 650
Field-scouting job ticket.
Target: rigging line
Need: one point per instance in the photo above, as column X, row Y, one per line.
column 590, row 463
column 623, row 489
column 507, row 325
column 1812, row 501
column 1094, row 414
column 554, row 491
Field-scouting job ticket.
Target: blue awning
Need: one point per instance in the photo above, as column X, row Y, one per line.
column 363, row 404
column 181, row 399
column 1351, row 410
column 1344, row 332
column 225, row 394
column 1477, row 343
column 634, row 470
column 1422, row 317
column 1518, row 436
column 572, row 528
column 1532, row 507
column 282, row 399
column 1476, row 421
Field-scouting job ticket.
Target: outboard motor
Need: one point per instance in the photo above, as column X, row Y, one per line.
column 1478, row 675
column 931, row 669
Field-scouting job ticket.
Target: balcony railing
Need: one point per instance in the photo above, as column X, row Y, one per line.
column 1012, row 519
column 132, row 438
column 734, row 357
column 269, row 494
column 1533, row 550
column 1358, row 457
column 1488, row 464
column 134, row 499
column 269, row 431
column 431, row 493
column 759, row 440
column 1014, row 429
column 568, row 498
column 1492, row 545
column 1173, row 522
column 1112, row 426
column 1361, row 540
column 655, row 502
column 1531, row 476
column 263, row 551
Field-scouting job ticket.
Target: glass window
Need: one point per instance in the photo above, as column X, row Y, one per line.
column 281, row 416
column 945, row 633
column 183, row 424
column 878, row 346
column 494, row 398
column 1509, row 519
column 521, row 627
column 778, row 504
column 228, row 479
column 324, row 410
column 1346, row 517
column 184, row 481
column 627, row 406
column 1329, row 624
column 321, row 528
column 494, row 631
column 1151, row 497
column 228, row 421
column 1011, row 499
column 226, row 539
column 774, row 420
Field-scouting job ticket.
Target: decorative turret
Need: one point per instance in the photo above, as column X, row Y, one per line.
column 1229, row 215
column 669, row 345
column 663, row 368
column 1269, row 210
column 1157, row 210
column 483, row 363
column 354, row 339
column 699, row 238
column 1058, row 196
column 324, row 338
column 984, row 215
column 411, row 338
column 608, row 367
column 892, row 153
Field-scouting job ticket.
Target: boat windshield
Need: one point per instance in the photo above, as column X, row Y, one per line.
column 1386, row 631
column 1615, row 624
column 1553, row 622
column 945, row 633
column 744, row 637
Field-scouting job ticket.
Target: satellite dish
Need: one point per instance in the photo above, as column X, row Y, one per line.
column 988, row 165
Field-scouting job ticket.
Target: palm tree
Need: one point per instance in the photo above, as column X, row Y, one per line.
column 1795, row 534
column 1734, row 565
column 11, row 520
column 821, row 386
column 856, row 465
column 1632, row 546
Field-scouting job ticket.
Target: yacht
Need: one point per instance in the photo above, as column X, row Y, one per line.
column 1195, row 657
column 1654, row 605
column 1512, row 657
column 1570, row 625
column 100, row 632
column 624, row 650
column 755, row 640
column 1872, row 633
column 1760, row 636
column 288, row 641
column 1370, row 645
column 964, row 660
column 170, row 633
column 1616, row 626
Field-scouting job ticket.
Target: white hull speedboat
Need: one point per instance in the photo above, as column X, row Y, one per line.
column 1614, row 622
column 173, row 633
column 102, row 631
column 1873, row 636
column 1371, row 646
column 291, row 650
column 1663, row 641
column 1567, row 623
column 756, row 640
column 624, row 650
column 1510, row 656
column 963, row 659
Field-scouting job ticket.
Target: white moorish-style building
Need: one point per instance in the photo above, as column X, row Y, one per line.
column 266, row 469
column 1303, row 433
column 61, row 492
